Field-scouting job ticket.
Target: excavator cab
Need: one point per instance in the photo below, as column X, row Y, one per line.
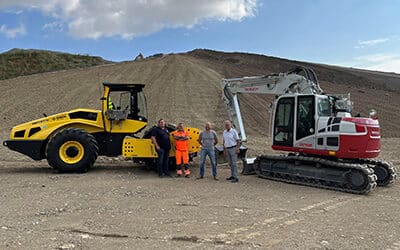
column 316, row 124
column 294, row 122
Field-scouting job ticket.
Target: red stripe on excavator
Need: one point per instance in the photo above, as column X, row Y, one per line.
column 349, row 147
column 310, row 151
column 361, row 120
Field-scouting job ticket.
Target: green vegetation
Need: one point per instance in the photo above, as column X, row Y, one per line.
column 18, row 62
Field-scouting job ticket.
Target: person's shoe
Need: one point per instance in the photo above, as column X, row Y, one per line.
column 230, row 178
column 168, row 175
column 187, row 173
column 234, row 180
column 216, row 178
column 200, row 177
column 160, row 175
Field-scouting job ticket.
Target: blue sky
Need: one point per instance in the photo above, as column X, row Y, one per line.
column 353, row 33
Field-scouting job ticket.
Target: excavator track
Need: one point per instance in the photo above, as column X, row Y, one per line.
column 384, row 170
column 317, row 172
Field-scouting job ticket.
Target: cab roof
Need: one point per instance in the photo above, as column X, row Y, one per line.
column 123, row 86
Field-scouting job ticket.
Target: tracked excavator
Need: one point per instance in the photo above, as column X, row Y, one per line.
column 327, row 147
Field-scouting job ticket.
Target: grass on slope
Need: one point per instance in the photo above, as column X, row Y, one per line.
column 17, row 62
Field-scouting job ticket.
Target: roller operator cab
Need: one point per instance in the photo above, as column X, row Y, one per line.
column 314, row 125
column 71, row 141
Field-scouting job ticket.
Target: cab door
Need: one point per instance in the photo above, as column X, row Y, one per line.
column 305, row 121
column 284, row 122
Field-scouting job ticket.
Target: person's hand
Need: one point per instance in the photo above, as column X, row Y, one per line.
column 158, row 148
column 237, row 150
column 224, row 152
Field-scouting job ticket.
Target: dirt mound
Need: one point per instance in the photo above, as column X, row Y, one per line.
column 368, row 89
column 185, row 87
column 244, row 64
column 18, row 62
column 177, row 89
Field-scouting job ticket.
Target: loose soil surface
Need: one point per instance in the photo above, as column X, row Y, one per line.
column 119, row 205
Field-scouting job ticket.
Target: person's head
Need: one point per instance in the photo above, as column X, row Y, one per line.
column 207, row 126
column 180, row 126
column 228, row 125
column 161, row 123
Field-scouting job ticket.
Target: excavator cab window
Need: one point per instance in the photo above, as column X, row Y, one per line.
column 305, row 117
column 324, row 106
column 283, row 127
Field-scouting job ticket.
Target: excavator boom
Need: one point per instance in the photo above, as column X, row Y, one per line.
column 299, row 80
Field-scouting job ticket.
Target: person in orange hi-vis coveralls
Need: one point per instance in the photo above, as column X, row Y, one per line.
column 181, row 151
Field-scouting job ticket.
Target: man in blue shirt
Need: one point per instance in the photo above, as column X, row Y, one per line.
column 208, row 139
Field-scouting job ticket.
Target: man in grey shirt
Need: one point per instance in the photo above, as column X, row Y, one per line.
column 208, row 139
column 231, row 143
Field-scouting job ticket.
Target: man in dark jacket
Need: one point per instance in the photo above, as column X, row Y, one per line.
column 160, row 139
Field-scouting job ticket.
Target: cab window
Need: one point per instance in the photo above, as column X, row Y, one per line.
column 283, row 128
column 324, row 107
column 305, row 116
column 119, row 100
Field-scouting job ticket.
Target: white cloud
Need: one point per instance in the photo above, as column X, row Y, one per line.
column 12, row 32
column 128, row 19
column 367, row 43
column 15, row 12
column 54, row 26
column 379, row 62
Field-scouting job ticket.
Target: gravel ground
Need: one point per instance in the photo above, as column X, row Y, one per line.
column 121, row 206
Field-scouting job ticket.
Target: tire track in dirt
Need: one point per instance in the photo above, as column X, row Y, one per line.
column 395, row 246
column 252, row 232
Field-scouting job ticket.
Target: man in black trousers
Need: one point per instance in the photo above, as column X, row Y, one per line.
column 160, row 139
